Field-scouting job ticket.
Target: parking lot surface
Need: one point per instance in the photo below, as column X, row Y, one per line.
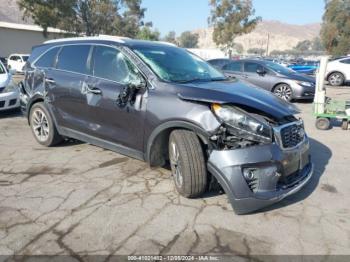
column 81, row 200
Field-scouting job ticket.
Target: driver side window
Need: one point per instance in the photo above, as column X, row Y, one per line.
column 109, row 63
column 252, row 67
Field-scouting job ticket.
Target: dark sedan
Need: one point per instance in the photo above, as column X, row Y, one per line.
column 273, row 77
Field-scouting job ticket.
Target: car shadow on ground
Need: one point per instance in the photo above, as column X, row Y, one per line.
column 14, row 113
column 321, row 156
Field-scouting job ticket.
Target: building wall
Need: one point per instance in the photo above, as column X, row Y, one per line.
column 21, row 41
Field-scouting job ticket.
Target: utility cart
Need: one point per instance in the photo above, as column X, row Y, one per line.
column 325, row 108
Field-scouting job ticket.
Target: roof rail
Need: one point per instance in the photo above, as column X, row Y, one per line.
column 100, row 37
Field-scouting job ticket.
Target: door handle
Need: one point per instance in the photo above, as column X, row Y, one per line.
column 93, row 90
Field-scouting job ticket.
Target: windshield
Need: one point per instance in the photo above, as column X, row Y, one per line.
column 278, row 68
column 2, row 69
column 174, row 64
column 25, row 58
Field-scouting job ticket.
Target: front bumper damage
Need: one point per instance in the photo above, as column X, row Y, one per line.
column 259, row 176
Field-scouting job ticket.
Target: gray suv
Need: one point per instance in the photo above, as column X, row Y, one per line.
column 282, row 81
column 161, row 104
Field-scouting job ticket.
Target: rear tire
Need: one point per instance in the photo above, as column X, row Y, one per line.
column 323, row 123
column 43, row 127
column 187, row 163
column 336, row 79
column 345, row 124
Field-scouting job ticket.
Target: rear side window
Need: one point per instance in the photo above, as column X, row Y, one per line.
column 235, row 66
column 252, row 67
column 74, row 58
column 111, row 64
column 48, row 59
column 345, row 61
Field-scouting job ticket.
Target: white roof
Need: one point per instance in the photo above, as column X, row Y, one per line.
column 100, row 37
column 35, row 28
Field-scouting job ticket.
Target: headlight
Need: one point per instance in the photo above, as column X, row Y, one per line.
column 11, row 86
column 242, row 124
column 308, row 84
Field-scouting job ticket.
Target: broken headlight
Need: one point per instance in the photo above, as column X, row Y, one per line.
column 243, row 125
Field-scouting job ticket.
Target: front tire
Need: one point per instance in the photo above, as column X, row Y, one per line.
column 284, row 91
column 323, row 123
column 336, row 79
column 43, row 127
column 187, row 163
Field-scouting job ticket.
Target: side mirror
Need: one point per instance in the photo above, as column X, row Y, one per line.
column 260, row 71
column 138, row 83
column 12, row 71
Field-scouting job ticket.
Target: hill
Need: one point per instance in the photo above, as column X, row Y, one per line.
column 282, row 36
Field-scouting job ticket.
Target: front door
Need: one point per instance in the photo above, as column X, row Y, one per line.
column 264, row 80
column 121, row 124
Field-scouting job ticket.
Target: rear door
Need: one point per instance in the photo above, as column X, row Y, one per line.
column 65, row 85
column 234, row 69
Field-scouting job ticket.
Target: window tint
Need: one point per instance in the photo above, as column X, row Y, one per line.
column 251, row 67
column 47, row 60
column 2, row 69
column 111, row 64
column 345, row 61
column 235, row 66
column 74, row 58
column 25, row 58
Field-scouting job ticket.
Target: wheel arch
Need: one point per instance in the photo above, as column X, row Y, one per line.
column 335, row 71
column 157, row 144
column 35, row 99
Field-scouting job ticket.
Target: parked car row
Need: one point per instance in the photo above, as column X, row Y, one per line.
column 162, row 104
column 283, row 82
column 9, row 93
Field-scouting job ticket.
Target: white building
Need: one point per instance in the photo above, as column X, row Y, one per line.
column 20, row 38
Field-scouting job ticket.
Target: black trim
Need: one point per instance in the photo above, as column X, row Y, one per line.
column 203, row 135
column 100, row 143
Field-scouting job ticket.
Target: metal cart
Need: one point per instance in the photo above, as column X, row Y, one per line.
column 325, row 108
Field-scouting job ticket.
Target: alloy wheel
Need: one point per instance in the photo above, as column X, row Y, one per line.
column 176, row 165
column 284, row 92
column 336, row 79
column 40, row 125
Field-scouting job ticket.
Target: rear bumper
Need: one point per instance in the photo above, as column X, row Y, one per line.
column 279, row 174
column 9, row 100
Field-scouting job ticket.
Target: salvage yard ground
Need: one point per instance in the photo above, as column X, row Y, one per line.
column 81, row 200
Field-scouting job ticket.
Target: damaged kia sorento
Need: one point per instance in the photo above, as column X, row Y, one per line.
column 159, row 103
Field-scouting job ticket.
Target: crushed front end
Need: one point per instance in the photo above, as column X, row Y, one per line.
column 257, row 170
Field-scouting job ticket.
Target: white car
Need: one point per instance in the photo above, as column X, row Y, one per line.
column 338, row 71
column 17, row 62
column 9, row 93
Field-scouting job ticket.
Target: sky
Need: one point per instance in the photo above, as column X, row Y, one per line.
column 182, row 15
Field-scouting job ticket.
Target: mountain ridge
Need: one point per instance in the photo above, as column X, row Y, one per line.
column 283, row 36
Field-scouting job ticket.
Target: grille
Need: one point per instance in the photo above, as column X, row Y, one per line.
column 2, row 104
column 1, row 89
column 292, row 135
column 12, row 102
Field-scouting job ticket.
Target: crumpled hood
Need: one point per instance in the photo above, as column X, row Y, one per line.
column 235, row 92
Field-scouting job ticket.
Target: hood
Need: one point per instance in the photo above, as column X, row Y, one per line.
column 235, row 92
column 4, row 78
column 300, row 77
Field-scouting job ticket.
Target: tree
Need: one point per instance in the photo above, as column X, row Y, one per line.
column 231, row 18
column 188, row 40
column 146, row 33
column 317, row 44
column 239, row 48
column 256, row 51
column 171, row 37
column 89, row 17
column 335, row 31
column 303, row 46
